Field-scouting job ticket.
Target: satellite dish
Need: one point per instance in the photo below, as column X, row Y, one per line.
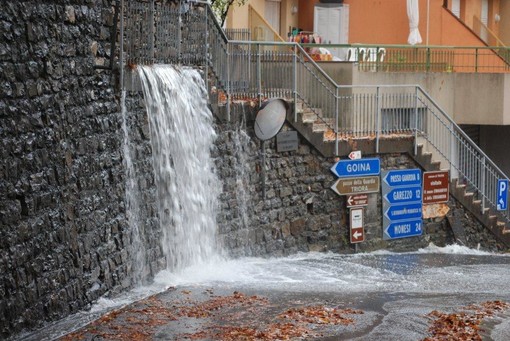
column 270, row 118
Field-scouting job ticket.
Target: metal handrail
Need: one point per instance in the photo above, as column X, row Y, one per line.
column 285, row 69
column 478, row 26
column 254, row 14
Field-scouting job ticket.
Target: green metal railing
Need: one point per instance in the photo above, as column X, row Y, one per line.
column 406, row 58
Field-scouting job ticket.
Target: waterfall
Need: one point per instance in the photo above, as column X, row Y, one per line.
column 132, row 197
column 187, row 186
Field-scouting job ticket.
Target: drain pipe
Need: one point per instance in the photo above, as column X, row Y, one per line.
column 121, row 44
column 113, row 39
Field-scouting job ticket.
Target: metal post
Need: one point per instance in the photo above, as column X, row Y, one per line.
column 206, row 47
column 294, row 83
column 121, row 45
column 336, row 121
column 476, row 60
column 482, row 185
column 263, row 169
column 428, row 59
column 179, row 36
column 377, row 120
column 151, row 33
column 259, row 76
column 228, row 82
column 416, row 121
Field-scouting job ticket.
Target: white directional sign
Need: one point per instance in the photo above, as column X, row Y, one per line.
column 502, row 199
column 357, row 229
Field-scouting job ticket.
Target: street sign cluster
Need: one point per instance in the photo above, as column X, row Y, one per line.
column 402, row 203
column 404, row 192
column 356, row 177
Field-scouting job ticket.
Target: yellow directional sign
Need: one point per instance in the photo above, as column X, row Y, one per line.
column 348, row 186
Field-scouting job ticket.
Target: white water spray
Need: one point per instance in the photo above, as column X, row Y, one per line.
column 182, row 136
column 132, row 198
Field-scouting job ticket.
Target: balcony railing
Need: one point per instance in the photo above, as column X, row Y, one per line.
column 406, row 58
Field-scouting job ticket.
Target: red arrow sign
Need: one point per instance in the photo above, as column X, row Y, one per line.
column 354, row 155
column 357, row 234
column 357, row 200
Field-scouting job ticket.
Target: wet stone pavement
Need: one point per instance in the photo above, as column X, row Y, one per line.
column 436, row 294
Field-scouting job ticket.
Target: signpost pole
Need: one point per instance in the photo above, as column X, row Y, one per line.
column 482, row 190
column 416, row 122
column 336, row 122
column 377, row 120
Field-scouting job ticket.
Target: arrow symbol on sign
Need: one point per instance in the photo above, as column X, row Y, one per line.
column 349, row 200
column 357, row 234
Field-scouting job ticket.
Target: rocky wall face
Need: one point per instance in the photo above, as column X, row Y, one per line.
column 64, row 239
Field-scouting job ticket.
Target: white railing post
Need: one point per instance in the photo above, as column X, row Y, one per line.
column 377, row 119
column 416, row 121
column 294, row 83
column 259, row 77
column 482, row 184
column 336, row 121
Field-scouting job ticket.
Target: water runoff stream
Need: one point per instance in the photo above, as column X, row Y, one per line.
column 395, row 290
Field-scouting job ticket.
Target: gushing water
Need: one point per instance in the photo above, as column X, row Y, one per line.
column 133, row 212
column 187, row 187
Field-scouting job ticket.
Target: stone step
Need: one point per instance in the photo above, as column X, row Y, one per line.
column 319, row 126
column 309, row 117
column 435, row 165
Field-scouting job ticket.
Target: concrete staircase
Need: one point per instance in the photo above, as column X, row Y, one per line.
column 489, row 218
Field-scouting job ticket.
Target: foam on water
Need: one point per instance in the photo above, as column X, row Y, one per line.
column 433, row 269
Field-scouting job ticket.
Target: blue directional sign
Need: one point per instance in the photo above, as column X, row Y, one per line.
column 400, row 195
column 402, row 229
column 502, row 191
column 402, row 203
column 403, row 177
column 404, row 212
column 358, row 167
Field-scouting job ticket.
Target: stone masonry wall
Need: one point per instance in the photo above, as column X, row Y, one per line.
column 64, row 239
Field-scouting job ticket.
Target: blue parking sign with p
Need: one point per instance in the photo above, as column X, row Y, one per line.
column 502, row 190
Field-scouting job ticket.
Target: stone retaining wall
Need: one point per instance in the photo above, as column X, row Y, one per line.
column 64, row 240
